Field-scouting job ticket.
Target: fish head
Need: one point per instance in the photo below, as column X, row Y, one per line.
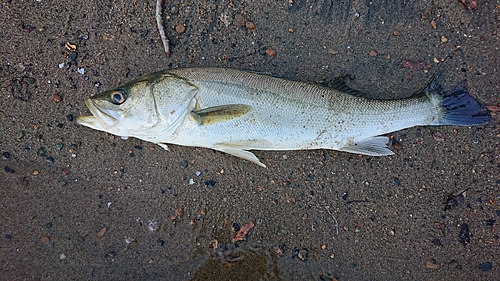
column 144, row 108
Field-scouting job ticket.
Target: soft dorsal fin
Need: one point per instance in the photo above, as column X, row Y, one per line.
column 340, row 85
column 221, row 113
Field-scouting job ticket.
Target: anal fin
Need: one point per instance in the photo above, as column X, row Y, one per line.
column 374, row 146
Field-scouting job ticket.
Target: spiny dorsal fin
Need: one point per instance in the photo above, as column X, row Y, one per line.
column 221, row 113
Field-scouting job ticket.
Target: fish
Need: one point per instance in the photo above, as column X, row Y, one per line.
column 236, row 111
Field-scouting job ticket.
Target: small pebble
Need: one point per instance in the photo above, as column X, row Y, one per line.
column 9, row 170
column 453, row 264
column 444, row 39
column 395, row 33
column 5, row 155
column 239, row 20
column 62, row 256
column 180, row 28
column 50, row 159
column 81, row 70
column 303, row 254
column 270, row 52
column 69, row 117
column 438, row 136
column 191, row 181
column 36, row 172
column 197, row 173
column 485, row 266
column 160, row 242
column 174, row 10
column 61, row 65
column 433, row 24
column 250, row 25
column 57, row 98
column 396, row 181
column 210, row 183
column 432, row 264
column 373, row 53
column 183, row 164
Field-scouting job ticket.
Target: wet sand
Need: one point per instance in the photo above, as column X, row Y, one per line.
column 79, row 204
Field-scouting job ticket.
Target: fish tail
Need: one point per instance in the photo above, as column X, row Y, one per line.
column 459, row 108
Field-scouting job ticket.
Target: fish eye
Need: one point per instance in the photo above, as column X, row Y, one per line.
column 119, row 96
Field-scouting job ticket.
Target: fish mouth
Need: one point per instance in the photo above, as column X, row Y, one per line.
column 101, row 119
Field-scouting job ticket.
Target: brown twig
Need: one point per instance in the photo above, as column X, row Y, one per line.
column 159, row 21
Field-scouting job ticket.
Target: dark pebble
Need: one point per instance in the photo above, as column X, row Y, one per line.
column 73, row 56
column 498, row 212
column 490, row 222
column 9, row 169
column 69, row 117
column 5, row 155
column 236, row 227
column 60, row 125
column 485, row 266
column 464, row 235
column 183, row 164
column 345, row 195
column 479, row 200
column 8, row 236
column 50, row 159
column 160, row 242
column 49, row 224
column 436, row 242
column 396, row 181
column 131, row 155
column 41, row 152
column 303, row 254
column 137, row 147
column 210, row 183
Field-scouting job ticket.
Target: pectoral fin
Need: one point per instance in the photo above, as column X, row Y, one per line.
column 222, row 113
column 238, row 152
column 375, row 146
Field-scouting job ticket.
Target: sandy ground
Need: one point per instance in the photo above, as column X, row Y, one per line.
column 79, row 204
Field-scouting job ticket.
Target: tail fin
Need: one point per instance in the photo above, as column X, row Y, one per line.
column 460, row 108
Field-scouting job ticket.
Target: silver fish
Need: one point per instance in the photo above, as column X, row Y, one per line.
column 235, row 111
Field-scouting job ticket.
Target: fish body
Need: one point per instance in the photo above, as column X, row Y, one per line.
column 236, row 111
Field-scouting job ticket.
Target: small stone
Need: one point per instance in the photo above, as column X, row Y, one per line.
column 183, row 164
column 453, row 264
column 373, row 53
column 303, row 254
column 239, row 20
column 180, row 28
column 432, row 264
column 210, row 183
column 101, row 232
column 436, row 60
column 438, row 136
column 433, row 24
column 270, row 52
column 45, row 239
column 5, row 155
column 9, row 170
column 395, row 33
column 62, row 256
column 444, row 39
column 485, row 266
column 36, row 172
column 174, row 10
column 250, row 25
column 396, row 181
column 69, row 117
column 160, row 242
column 57, row 98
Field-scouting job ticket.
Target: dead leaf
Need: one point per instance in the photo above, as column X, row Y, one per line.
column 242, row 233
